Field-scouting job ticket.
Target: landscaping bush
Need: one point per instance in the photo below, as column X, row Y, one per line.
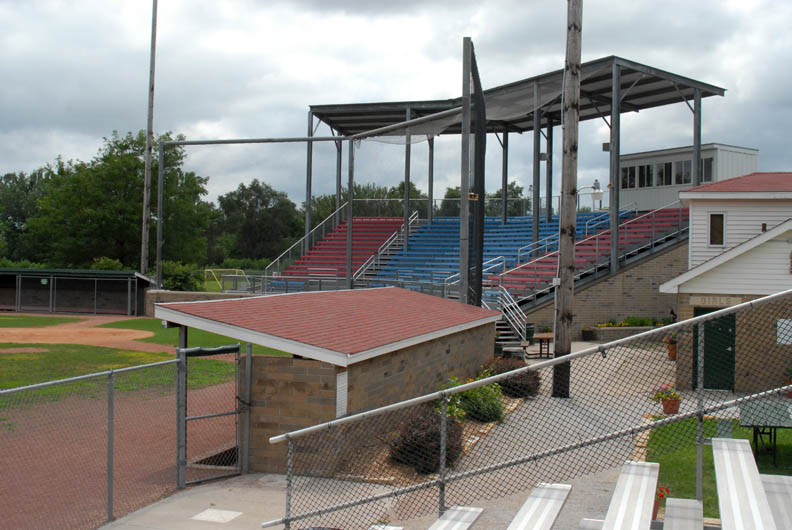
column 417, row 441
column 179, row 277
column 106, row 264
column 483, row 403
column 521, row 385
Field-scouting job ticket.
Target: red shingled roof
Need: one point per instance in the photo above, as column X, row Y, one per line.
column 753, row 182
column 347, row 322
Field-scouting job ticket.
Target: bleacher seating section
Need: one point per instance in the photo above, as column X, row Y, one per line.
column 596, row 249
column 328, row 256
column 433, row 251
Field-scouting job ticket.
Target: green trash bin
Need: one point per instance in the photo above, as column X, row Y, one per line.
column 529, row 332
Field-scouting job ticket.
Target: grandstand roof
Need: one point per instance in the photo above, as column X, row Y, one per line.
column 775, row 182
column 510, row 107
column 338, row 327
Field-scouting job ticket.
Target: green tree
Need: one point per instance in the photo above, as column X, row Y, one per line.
column 257, row 221
column 370, row 200
column 449, row 206
column 19, row 195
column 90, row 210
column 514, row 207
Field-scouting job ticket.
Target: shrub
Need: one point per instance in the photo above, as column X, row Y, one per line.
column 521, row 385
column 417, row 441
column 106, row 264
column 483, row 403
column 180, row 277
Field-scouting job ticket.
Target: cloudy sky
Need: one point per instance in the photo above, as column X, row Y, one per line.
column 74, row 71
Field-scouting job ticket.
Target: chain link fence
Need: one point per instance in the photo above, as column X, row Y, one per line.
column 503, row 434
column 81, row 451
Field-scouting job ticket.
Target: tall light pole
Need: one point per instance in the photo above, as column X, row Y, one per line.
column 596, row 194
column 144, row 237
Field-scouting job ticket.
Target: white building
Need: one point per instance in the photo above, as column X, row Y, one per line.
column 653, row 179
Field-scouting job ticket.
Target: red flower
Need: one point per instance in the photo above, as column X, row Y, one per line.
column 662, row 492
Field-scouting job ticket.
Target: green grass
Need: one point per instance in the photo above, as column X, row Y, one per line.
column 25, row 321
column 674, row 448
column 195, row 337
column 61, row 361
column 211, row 286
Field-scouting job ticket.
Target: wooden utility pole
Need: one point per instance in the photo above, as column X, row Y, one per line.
column 565, row 292
column 144, row 237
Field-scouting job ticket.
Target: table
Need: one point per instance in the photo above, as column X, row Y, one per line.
column 544, row 342
column 765, row 417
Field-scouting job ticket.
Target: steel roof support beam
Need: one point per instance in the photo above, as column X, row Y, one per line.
column 407, row 154
column 430, row 176
column 350, row 197
column 464, row 187
column 535, row 200
column 308, row 177
column 339, row 148
column 614, row 166
column 504, row 175
column 695, row 172
column 549, row 169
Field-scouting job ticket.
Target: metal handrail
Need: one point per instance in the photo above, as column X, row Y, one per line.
column 384, row 247
column 535, row 244
column 330, row 218
column 512, row 312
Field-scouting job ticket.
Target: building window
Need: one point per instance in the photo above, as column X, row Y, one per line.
column 628, row 177
column 717, row 229
column 664, row 174
column 682, row 171
column 705, row 170
column 645, row 176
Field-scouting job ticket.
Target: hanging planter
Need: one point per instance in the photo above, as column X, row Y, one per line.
column 671, row 406
column 668, row 398
column 671, row 343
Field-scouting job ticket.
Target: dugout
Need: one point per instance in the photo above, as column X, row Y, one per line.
column 73, row 291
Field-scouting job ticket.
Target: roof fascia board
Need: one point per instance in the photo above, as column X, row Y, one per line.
column 675, row 78
column 733, row 195
column 412, row 341
column 255, row 337
column 672, row 286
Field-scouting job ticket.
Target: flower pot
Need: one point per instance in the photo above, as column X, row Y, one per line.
column 671, row 406
column 656, row 508
column 672, row 351
column 788, row 382
column 588, row 334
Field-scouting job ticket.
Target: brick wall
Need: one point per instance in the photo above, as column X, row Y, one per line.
column 289, row 394
column 632, row 292
column 760, row 362
column 419, row 369
column 286, row 395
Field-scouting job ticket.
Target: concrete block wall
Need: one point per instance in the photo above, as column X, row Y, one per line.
column 286, row 394
column 419, row 369
column 631, row 292
column 760, row 362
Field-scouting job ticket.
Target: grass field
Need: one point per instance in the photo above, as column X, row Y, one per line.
column 678, row 467
column 27, row 321
column 195, row 337
column 61, row 361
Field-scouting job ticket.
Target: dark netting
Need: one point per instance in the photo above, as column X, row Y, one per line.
column 75, row 295
column 115, row 296
column 35, row 294
column 386, row 467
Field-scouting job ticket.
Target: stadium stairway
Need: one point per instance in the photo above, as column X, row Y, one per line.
column 328, row 256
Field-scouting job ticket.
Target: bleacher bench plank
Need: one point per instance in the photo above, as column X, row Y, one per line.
column 778, row 489
column 457, row 518
column 633, row 498
column 540, row 510
column 385, row 527
column 741, row 497
column 591, row 524
column 683, row 514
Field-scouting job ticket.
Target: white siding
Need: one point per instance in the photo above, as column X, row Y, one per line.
column 341, row 393
column 762, row 270
column 743, row 221
column 728, row 162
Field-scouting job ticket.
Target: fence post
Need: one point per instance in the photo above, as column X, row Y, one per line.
column 700, row 416
column 181, row 416
column 248, row 411
column 443, row 442
column 110, row 442
column 289, row 469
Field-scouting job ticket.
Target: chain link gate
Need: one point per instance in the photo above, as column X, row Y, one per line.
column 209, row 430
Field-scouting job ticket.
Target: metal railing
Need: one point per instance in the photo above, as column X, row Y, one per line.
column 557, row 420
column 532, row 283
column 512, row 313
column 399, row 237
column 298, row 249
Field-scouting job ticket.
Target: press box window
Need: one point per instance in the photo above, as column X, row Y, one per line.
column 716, row 226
